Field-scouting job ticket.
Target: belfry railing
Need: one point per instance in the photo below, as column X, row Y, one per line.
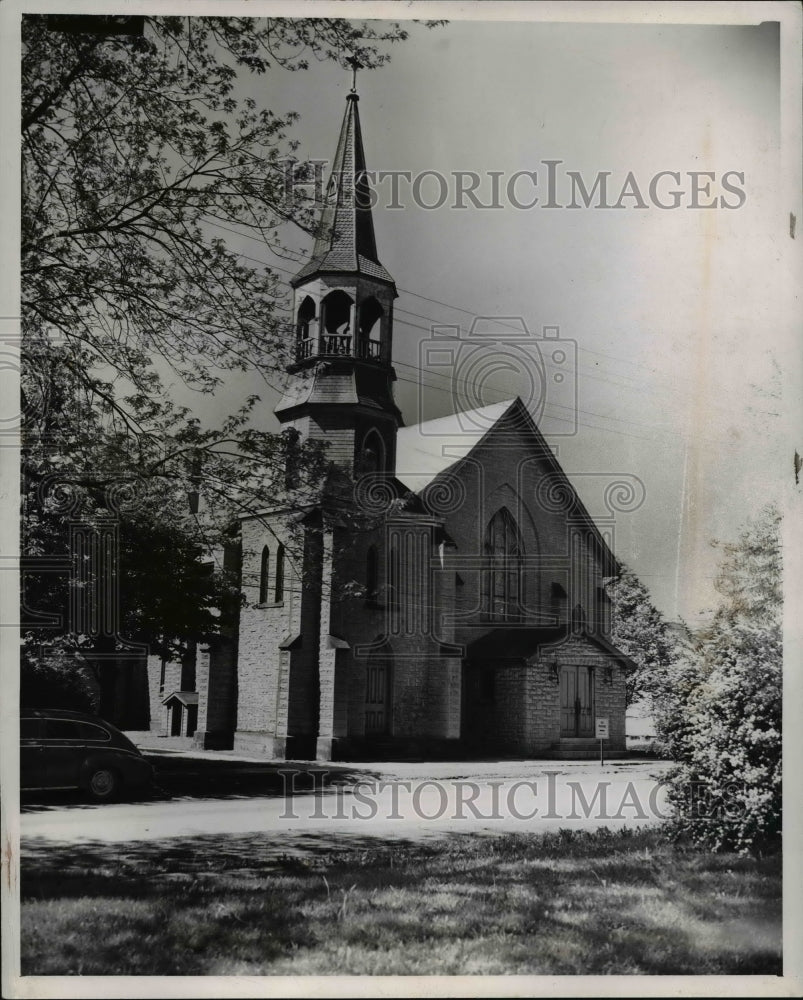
column 337, row 345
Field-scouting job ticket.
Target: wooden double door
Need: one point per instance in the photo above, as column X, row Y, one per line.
column 378, row 688
column 576, row 701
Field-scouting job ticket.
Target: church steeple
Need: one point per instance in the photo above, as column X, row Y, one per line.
column 343, row 312
column 346, row 243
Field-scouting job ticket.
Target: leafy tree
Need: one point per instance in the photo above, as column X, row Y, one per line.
column 58, row 678
column 724, row 722
column 140, row 155
column 640, row 631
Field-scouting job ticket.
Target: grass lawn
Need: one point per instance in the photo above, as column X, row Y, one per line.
column 565, row 903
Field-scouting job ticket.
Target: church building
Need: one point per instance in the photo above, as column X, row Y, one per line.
column 440, row 595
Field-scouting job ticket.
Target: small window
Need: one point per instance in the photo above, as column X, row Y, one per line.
column 71, row 730
column 263, row 575
column 278, row 593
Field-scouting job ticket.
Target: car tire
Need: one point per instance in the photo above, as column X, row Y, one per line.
column 103, row 784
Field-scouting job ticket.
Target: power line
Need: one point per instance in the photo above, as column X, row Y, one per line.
column 448, row 305
column 589, row 374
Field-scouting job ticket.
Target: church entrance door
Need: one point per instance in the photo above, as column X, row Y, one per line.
column 576, row 701
column 377, row 695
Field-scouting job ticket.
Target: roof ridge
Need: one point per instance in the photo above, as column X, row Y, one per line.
column 506, row 403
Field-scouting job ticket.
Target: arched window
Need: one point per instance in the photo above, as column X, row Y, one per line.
column 306, row 314
column 370, row 314
column 336, row 312
column 578, row 618
column 503, row 579
column 278, row 593
column 336, row 332
column 371, row 574
column 372, row 453
column 263, row 575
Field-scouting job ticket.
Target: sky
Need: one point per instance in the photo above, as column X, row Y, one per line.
column 680, row 325
column 679, row 318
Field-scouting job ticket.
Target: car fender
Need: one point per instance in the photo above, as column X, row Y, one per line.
column 132, row 768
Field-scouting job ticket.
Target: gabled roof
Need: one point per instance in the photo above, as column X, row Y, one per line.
column 186, row 698
column 519, row 642
column 346, row 242
column 427, row 450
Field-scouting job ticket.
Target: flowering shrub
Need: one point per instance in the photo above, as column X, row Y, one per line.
column 639, row 630
column 720, row 718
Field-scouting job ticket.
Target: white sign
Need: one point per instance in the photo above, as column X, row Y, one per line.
column 602, row 728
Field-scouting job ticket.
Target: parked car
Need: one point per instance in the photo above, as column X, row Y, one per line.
column 61, row 749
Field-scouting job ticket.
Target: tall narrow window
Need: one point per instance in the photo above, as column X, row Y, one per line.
column 371, row 574
column 372, row 453
column 503, row 596
column 278, row 594
column 306, row 314
column 603, row 611
column 263, row 575
column 369, row 325
column 578, row 618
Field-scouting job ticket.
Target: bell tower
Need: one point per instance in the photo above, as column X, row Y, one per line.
column 343, row 321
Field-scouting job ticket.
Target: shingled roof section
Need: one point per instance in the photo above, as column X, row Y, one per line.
column 427, row 450
column 346, row 242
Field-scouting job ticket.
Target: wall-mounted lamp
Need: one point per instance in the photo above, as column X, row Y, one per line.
column 608, row 678
column 553, row 671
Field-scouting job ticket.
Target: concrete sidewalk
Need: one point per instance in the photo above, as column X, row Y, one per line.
column 361, row 807
column 179, row 748
column 183, row 746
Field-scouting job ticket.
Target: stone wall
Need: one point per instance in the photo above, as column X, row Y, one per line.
column 216, row 681
column 263, row 668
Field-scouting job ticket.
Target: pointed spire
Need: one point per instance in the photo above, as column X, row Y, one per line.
column 346, row 243
column 355, row 64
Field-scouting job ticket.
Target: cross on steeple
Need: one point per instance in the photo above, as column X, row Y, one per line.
column 355, row 64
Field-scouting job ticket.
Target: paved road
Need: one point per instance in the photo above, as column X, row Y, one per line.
column 380, row 801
